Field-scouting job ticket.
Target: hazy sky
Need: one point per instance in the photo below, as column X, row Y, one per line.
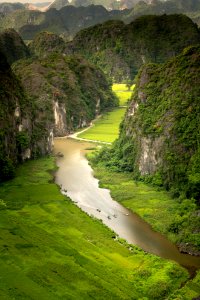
column 25, row 1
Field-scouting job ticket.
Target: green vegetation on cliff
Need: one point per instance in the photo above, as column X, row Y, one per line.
column 45, row 43
column 11, row 97
column 52, row 250
column 67, row 90
column 66, row 21
column 53, row 95
column 120, row 50
column 160, row 133
column 159, row 138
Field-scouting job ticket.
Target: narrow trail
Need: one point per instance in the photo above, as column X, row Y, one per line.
column 75, row 135
column 92, row 124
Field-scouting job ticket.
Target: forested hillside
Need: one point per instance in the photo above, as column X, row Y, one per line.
column 120, row 50
column 65, row 91
column 53, row 95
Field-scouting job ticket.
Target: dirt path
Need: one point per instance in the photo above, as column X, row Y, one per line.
column 75, row 135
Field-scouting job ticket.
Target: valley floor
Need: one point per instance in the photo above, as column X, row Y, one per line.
column 106, row 128
column 50, row 249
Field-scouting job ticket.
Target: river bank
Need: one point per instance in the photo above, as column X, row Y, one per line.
column 72, row 176
column 50, row 249
column 166, row 215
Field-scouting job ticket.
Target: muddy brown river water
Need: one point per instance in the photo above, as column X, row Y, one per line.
column 76, row 179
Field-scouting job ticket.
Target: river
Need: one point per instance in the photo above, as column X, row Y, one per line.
column 76, row 179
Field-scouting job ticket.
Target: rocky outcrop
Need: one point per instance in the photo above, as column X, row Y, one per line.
column 19, row 136
column 60, row 126
column 64, row 92
column 150, row 159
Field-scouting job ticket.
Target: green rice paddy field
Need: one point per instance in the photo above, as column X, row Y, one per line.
column 106, row 128
column 122, row 92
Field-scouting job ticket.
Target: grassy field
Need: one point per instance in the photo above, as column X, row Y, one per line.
column 50, row 249
column 122, row 92
column 106, row 128
column 156, row 207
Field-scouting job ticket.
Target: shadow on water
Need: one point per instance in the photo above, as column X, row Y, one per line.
column 76, row 179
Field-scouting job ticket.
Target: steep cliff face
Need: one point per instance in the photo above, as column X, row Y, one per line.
column 52, row 95
column 120, row 50
column 18, row 124
column 159, row 137
column 68, row 92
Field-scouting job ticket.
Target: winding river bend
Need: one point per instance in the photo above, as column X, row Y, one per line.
column 75, row 176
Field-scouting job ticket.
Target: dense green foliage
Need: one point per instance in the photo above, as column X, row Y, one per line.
column 120, row 50
column 159, row 138
column 191, row 8
column 56, row 94
column 11, row 94
column 12, row 46
column 64, row 90
column 176, row 218
column 46, row 42
column 52, row 250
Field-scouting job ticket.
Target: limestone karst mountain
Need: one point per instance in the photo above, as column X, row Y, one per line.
column 120, row 50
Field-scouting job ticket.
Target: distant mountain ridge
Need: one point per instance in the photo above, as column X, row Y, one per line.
column 7, row 8
column 187, row 5
column 68, row 20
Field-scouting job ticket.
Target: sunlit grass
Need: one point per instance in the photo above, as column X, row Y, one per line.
column 154, row 206
column 106, row 128
column 50, row 249
column 122, row 92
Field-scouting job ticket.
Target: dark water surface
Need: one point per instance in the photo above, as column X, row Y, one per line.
column 76, row 177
